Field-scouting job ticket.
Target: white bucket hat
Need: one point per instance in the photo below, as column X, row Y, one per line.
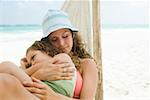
column 54, row 20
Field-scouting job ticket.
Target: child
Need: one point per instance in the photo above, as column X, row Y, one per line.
column 41, row 51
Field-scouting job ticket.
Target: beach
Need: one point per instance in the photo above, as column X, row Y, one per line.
column 13, row 45
column 125, row 55
column 125, row 60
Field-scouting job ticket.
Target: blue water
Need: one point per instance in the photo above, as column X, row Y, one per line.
column 27, row 28
column 19, row 28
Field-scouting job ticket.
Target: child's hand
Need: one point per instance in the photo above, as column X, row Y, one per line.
column 23, row 62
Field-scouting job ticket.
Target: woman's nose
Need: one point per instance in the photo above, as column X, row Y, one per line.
column 61, row 42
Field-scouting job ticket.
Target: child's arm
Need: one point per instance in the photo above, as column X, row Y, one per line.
column 63, row 58
column 12, row 69
column 27, row 68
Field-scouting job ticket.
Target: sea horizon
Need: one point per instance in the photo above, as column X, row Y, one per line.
column 34, row 27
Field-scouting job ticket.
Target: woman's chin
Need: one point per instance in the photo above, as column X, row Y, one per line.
column 66, row 51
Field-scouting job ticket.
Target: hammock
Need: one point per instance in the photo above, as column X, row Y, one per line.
column 80, row 14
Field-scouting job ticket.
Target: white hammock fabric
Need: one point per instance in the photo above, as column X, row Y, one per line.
column 79, row 13
column 86, row 18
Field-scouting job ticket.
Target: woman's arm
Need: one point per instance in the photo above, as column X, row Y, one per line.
column 58, row 69
column 48, row 70
column 90, row 77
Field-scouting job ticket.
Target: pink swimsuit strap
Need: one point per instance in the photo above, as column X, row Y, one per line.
column 78, row 87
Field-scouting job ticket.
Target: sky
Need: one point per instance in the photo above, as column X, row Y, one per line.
column 25, row 12
column 125, row 12
column 112, row 11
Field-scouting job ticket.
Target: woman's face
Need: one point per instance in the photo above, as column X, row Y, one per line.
column 36, row 56
column 62, row 39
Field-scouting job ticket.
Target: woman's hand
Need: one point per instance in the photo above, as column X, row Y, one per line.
column 39, row 89
column 60, row 68
column 49, row 71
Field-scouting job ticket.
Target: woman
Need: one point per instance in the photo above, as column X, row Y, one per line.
column 58, row 30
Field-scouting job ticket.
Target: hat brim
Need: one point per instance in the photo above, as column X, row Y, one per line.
column 49, row 31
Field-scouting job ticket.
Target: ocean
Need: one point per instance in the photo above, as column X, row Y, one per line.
column 19, row 28
column 15, row 39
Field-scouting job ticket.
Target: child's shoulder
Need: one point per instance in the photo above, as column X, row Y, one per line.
column 62, row 55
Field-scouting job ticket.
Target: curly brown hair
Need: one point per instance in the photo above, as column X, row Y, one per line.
column 78, row 51
column 49, row 49
column 44, row 47
column 78, row 48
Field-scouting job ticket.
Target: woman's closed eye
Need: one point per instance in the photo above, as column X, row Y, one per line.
column 65, row 36
column 53, row 39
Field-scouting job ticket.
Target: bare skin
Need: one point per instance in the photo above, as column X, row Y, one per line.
column 88, row 71
column 40, row 90
column 12, row 69
column 62, row 39
column 89, row 84
column 12, row 89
